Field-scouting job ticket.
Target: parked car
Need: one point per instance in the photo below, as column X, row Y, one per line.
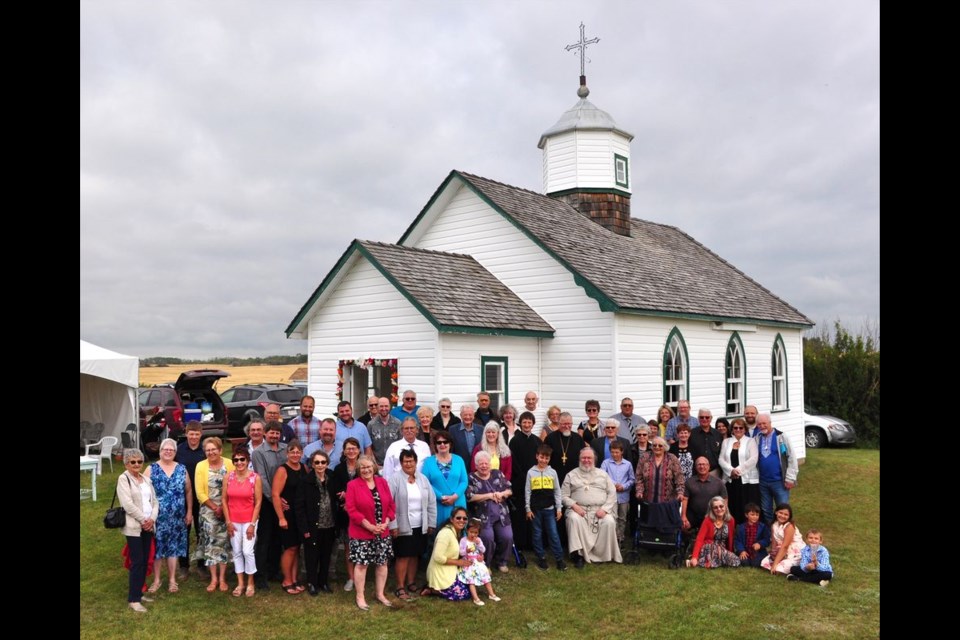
column 247, row 401
column 821, row 430
column 169, row 401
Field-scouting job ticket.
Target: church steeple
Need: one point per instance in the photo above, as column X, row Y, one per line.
column 586, row 158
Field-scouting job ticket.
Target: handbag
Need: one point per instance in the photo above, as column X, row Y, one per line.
column 116, row 517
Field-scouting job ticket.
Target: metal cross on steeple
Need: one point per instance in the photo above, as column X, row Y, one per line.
column 582, row 46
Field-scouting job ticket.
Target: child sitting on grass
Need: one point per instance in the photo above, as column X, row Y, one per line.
column 752, row 537
column 471, row 548
column 814, row 561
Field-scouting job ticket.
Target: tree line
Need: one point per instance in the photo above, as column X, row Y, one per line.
column 841, row 376
column 163, row 361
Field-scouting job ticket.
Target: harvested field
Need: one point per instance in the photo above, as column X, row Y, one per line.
column 272, row 374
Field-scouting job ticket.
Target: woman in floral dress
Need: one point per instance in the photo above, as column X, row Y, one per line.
column 215, row 545
column 714, row 545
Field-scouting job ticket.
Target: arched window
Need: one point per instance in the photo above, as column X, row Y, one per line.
column 778, row 373
column 735, row 374
column 676, row 385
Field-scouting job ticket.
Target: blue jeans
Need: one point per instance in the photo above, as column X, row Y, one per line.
column 546, row 519
column 772, row 494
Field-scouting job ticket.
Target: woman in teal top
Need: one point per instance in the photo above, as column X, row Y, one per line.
column 447, row 475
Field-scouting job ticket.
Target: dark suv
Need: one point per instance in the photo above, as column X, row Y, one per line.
column 247, row 401
column 170, row 402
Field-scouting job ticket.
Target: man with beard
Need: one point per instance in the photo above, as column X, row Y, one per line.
column 750, row 417
column 347, row 427
column 565, row 444
column 590, row 498
column 327, row 443
column 306, row 426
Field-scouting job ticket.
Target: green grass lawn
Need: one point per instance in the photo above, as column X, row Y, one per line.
column 839, row 493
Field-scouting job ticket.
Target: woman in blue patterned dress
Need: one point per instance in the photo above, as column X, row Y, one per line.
column 175, row 495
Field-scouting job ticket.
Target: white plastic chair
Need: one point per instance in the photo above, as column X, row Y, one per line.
column 106, row 445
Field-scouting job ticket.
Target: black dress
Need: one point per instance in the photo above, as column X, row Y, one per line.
column 290, row 537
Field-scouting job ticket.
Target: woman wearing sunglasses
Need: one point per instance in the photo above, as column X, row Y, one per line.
column 738, row 460
column 316, row 522
column 241, row 512
column 138, row 499
column 447, row 475
column 445, row 561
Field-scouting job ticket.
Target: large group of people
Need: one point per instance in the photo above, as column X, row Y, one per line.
column 462, row 492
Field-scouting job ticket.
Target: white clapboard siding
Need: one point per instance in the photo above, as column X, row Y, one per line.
column 460, row 366
column 577, row 362
column 642, row 341
column 582, row 159
column 366, row 317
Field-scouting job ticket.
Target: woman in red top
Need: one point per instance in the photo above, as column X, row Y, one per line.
column 714, row 545
column 370, row 508
column 241, row 511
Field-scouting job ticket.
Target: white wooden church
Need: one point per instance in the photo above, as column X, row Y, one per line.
column 497, row 288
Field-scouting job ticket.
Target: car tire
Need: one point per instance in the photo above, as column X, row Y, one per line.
column 815, row 438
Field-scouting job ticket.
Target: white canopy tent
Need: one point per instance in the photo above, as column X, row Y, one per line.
column 108, row 388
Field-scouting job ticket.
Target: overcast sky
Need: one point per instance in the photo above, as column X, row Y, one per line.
column 230, row 151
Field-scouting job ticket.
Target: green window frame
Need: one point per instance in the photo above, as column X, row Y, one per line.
column 780, row 398
column 494, row 379
column 676, row 369
column 735, row 376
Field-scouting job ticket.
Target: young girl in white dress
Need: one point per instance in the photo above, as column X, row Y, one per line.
column 471, row 548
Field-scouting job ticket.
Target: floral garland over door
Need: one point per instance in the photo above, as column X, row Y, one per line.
column 390, row 364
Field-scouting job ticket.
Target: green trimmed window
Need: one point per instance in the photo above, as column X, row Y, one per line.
column 494, row 372
column 676, row 384
column 735, row 374
column 778, row 374
column 621, row 169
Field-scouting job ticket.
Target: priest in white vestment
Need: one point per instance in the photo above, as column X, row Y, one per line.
column 590, row 498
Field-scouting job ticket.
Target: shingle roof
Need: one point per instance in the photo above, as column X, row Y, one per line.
column 658, row 270
column 455, row 291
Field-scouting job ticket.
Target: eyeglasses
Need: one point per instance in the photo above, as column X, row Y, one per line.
column 135, row 462
column 626, row 406
column 718, row 506
column 706, row 417
column 592, row 410
column 372, row 404
column 317, row 463
column 460, row 518
column 738, row 428
column 239, row 459
column 440, row 442
column 656, row 446
column 408, row 399
column 610, row 428
column 444, row 406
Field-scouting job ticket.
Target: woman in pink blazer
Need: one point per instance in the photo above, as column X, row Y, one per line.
column 370, row 508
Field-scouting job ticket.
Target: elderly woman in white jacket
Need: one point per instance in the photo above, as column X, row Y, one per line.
column 738, row 460
column 139, row 501
column 416, row 519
